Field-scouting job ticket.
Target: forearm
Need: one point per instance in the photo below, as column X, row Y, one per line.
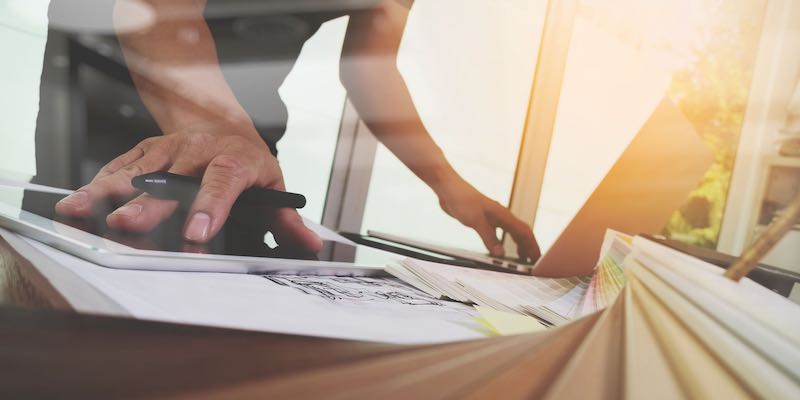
column 175, row 68
column 386, row 107
column 379, row 93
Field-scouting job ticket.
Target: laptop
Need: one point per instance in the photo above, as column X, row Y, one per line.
column 652, row 178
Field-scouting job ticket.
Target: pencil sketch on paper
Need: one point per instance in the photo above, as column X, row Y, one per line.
column 358, row 289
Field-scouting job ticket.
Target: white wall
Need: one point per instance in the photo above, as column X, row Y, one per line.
column 314, row 97
column 23, row 35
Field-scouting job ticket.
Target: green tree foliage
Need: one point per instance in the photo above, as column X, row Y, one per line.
column 712, row 93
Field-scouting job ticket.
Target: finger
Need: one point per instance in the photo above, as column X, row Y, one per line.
column 117, row 184
column 194, row 248
column 224, row 179
column 289, row 230
column 145, row 212
column 141, row 214
column 121, row 161
column 523, row 237
column 489, row 238
column 527, row 248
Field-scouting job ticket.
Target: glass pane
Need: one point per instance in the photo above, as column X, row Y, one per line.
column 282, row 67
column 23, row 34
column 112, row 75
column 470, row 78
column 314, row 97
column 623, row 59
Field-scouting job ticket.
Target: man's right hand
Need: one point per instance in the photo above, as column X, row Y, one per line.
column 229, row 163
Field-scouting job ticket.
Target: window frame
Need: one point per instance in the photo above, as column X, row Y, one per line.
column 765, row 113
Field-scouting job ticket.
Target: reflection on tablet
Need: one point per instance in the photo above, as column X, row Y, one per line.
column 235, row 238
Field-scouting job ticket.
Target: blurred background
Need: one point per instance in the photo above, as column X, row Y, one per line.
column 532, row 101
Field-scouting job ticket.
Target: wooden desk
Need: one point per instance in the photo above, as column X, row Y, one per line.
column 49, row 351
column 23, row 285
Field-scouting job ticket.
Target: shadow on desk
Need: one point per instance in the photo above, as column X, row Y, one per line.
column 60, row 354
column 49, row 351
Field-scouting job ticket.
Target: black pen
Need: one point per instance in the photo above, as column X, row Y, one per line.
column 169, row 186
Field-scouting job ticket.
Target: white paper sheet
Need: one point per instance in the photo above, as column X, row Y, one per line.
column 501, row 291
column 372, row 310
column 326, row 233
column 12, row 183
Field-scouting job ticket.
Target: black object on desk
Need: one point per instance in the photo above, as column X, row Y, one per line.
column 169, row 186
column 775, row 279
column 422, row 254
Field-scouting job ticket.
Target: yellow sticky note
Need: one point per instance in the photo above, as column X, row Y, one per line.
column 487, row 328
column 506, row 323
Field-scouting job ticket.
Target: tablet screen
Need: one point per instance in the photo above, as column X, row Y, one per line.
column 237, row 237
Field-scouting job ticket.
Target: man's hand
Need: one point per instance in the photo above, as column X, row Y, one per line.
column 466, row 204
column 229, row 163
column 378, row 90
column 215, row 139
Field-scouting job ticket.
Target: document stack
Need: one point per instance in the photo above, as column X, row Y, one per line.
column 554, row 301
column 679, row 329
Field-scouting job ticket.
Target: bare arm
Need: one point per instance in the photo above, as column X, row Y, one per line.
column 206, row 131
column 375, row 86
column 378, row 90
column 179, row 41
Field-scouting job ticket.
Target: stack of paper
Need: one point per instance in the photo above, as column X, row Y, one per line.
column 355, row 308
column 680, row 329
column 728, row 339
column 552, row 300
column 608, row 278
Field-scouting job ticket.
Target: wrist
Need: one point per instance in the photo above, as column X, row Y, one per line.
column 445, row 181
column 218, row 127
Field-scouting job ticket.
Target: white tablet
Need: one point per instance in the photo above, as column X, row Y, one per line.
column 237, row 249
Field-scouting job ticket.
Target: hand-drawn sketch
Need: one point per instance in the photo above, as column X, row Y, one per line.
column 357, row 289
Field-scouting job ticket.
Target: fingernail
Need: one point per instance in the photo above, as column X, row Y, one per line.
column 197, row 230
column 498, row 250
column 76, row 200
column 129, row 210
column 318, row 242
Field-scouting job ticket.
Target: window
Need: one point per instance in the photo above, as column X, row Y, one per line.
column 623, row 58
column 470, row 75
